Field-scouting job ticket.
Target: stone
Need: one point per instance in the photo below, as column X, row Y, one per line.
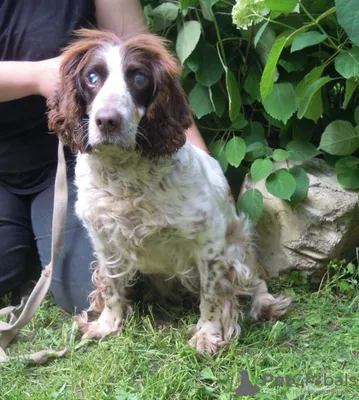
column 325, row 226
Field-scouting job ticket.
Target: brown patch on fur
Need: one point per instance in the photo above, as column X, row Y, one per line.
column 96, row 297
column 271, row 309
column 268, row 313
column 82, row 321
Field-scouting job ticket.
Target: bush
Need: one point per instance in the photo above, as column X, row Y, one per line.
column 270, row 80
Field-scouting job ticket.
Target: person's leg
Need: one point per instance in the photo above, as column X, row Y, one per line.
column 18, row 255
column 71, row 283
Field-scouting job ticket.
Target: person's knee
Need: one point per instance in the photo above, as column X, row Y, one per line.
column 19, row 264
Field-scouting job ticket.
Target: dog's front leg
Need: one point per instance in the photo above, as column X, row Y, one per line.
column 115, row 310
column 219, row 308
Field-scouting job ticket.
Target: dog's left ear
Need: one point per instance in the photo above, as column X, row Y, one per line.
column 167, row 119
column 168, row 115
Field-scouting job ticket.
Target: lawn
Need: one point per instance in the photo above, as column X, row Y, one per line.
column 151, row 360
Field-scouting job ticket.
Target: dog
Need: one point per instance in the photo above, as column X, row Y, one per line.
column 152, row 202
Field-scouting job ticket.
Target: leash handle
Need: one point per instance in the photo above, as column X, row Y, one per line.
column 21, row 315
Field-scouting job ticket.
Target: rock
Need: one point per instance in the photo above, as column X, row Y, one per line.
column 323, row 227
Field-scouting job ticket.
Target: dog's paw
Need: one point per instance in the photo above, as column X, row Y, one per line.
column 205, row 342
column 270, row 308
column 96, row 330
column 100, row 328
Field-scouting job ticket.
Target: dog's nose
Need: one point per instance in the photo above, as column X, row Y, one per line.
column 108, row 120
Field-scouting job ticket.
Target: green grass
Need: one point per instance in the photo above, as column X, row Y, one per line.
column 152, row 360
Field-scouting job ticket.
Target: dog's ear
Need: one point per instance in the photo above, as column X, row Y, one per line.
column 168, row 115
column 167, row 119
column 66, row 107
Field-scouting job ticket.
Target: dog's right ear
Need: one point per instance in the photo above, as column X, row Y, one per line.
column 66, row 108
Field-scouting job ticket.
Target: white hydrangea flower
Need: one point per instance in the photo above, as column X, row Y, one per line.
column 296, row 8
column 248, row 12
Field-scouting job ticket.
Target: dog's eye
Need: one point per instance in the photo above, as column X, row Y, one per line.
column 92, row 78
column 140, row 81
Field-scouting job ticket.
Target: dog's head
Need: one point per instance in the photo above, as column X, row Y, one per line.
column 120, row 93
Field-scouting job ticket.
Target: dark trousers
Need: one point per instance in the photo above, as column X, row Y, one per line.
column 25, row 241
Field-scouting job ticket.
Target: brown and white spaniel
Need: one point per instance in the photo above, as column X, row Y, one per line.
column 152, row 203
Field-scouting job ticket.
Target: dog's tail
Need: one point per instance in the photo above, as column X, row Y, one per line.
column 264, row 305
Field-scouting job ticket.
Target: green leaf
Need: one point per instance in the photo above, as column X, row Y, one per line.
column 251, row 203
column 300, row 150
column 281, row 102
column 251, row 85
column 239, row 123
column 233, row 94
column 312, row 90
column 356, row 115
column 268, row 151
column 217, row 99
column 217, row 151
column 255, row 146
column 302, row 185
column 163, row 15
column 260, row 169
column 200, row 101
column 260, row 33
column 308, row 80
column 187, row 39
column 265, row 44
column 184, row 4
column 315, row 107
column 204, row 61
column 207, row 374
column 254, row 130
column 347, row 63
column 147, row 10
column 253, row 134
column 307, row 39
column 206, row 6
column 309, row 97
column 348, row 18
column 347, row 169
column 282, row 6
column 167, row 11
column 192, row 63
column 267, row 80
column 280, row 155
column 350, row 87
column 121, row 394
column 339, row 138
column 235, row 151
column 293, row 62
column 281, row 184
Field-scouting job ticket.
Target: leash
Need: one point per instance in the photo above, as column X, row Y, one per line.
column 19, row 316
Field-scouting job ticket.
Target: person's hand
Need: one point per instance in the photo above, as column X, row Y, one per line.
column 47, row 76
column 195, row 138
